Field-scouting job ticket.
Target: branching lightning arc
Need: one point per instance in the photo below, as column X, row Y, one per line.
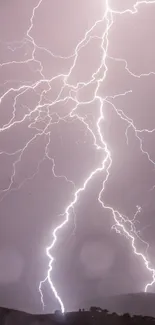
column 122, row 224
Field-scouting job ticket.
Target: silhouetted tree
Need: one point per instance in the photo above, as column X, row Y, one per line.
column 126, row 318
column 114, row 314
column 95, row 309
column 106, row 311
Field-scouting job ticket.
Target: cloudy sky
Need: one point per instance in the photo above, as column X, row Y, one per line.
column 51, row 126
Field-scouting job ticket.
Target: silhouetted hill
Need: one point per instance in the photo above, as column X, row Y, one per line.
column 134, row 304
column 15, row 317
column 95, row 316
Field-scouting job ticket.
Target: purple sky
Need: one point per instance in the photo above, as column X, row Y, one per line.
column 46, row 154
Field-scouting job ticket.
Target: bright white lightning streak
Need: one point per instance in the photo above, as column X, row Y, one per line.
column 116, row 215
column 121, row 222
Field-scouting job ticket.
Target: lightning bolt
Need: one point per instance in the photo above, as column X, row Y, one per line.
column 122, row 224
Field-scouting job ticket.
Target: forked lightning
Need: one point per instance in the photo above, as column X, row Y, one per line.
column 122, row 224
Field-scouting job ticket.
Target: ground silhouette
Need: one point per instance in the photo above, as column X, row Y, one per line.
column 94, row 316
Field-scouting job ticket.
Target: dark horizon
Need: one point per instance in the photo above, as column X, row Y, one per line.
column 94, row 315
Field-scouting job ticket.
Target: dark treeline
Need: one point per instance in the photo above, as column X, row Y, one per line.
column 95, row 316
column 98, row 316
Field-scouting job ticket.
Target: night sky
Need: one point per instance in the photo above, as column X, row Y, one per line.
column 49, row 133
